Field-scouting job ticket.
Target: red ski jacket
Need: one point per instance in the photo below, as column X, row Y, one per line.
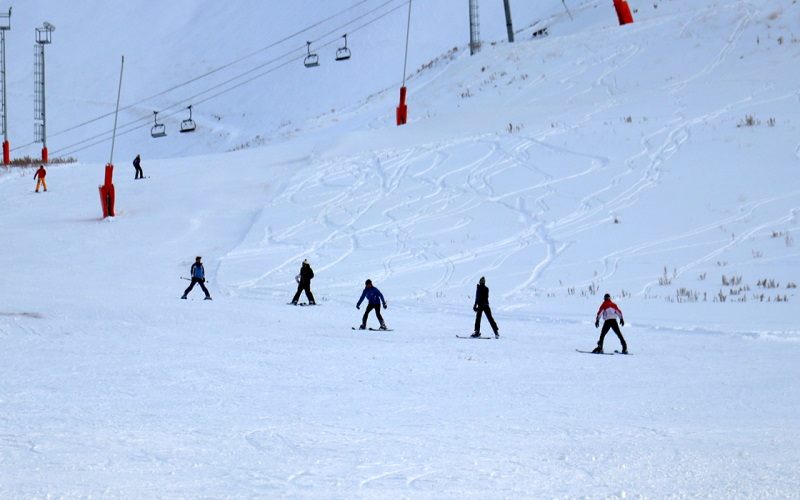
column 609, row 310
column 40, row 173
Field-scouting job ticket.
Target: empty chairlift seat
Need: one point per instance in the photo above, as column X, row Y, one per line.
column 311, row 60
column 343, row 53
column 158, row 130
column 188, row 125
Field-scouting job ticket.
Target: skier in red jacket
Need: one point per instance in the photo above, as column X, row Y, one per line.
column 39, row 177
column 610, row 313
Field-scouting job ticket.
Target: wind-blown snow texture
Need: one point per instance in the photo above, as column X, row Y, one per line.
column 658, row 162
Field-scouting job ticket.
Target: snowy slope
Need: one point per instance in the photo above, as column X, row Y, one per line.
column 598, row 159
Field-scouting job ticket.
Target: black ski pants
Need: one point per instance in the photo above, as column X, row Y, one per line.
column 304, row 287
column 611, row 324
column 199, row 281
column 139, row 173
column 479, row 312
column 377, row 309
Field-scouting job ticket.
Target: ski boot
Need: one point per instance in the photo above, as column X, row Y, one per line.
column 208, row 297
column 598, row 350
column 362, row 327
column 383, row 327
column 497, row 334
column 183, row 297
column 475, row 335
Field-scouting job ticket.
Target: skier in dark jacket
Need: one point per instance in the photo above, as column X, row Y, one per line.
column 304, row 283
column 198, row 274
column 610, row 313
column 482, row 306
column 137, row 165
column 374, row 299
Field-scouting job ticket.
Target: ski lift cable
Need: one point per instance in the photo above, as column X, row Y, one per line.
column 220, row 68
column 195, row 98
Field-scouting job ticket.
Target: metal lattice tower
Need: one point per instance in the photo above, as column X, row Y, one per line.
column 43, row 37
column 5, row 25
column 38, row 94
column 474, row 34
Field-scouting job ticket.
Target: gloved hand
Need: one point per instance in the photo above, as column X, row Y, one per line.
column 597, row 323
column 622, row 322
column 358, row 306
column 475, row 307
column 385, row 306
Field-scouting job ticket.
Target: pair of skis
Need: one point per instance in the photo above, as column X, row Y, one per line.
column 606, row 353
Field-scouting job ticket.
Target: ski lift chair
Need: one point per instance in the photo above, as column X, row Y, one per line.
column 158, row 130
column 343, row 53
column 311, row 60
column 188, row 125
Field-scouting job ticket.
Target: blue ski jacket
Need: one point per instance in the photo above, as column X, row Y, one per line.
column 373, row 295
column 198, row 271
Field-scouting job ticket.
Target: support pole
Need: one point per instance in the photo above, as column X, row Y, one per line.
column 107, row 194
column 474, row 35
column 402, row 109
column 5, row 25
column 509, row 24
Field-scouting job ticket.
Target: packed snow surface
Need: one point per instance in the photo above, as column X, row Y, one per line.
column 658, row 162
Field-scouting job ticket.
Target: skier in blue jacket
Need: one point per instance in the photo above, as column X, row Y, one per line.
column 374, row 299
column 198, row 273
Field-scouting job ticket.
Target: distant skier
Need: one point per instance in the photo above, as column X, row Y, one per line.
column 39, row 177
column 482, row 306
column 610, row 313
column 137, row 164
column 198, row 274
column 374, row 299
column 304, row 283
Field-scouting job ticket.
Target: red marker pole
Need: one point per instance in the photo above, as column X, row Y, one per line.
column 402, row 109
column 107, row 193
column 623, row 12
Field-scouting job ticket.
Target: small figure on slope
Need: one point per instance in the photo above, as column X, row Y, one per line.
column 482, row 306
column 198, row 274
column 304, row 283
column 39, row 177
column 374, row 299
column 137, row 165
column 610, row 313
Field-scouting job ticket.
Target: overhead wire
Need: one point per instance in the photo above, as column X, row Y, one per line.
column 218, row 69
column 291, row 56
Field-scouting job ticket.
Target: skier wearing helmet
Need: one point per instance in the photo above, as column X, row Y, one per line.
column 610, row 313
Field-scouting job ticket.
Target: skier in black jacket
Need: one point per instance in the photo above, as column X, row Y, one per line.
column 137, row 165
column 304, row 283
column 482, row 306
